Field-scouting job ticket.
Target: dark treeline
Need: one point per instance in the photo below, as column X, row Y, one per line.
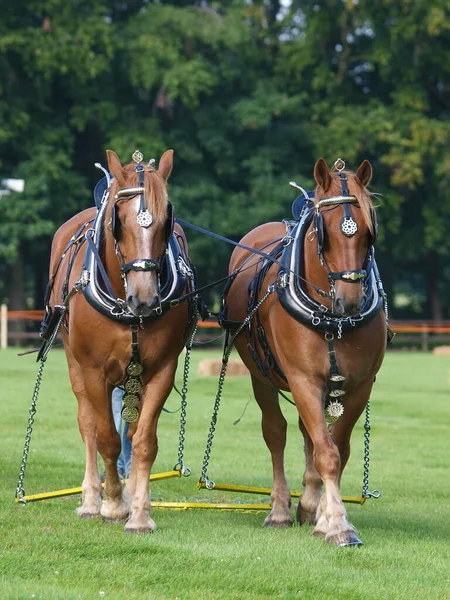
column 249, row 94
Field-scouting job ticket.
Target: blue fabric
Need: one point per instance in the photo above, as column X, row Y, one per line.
column 124, row 460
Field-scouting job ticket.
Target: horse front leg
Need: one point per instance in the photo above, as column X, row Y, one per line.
column 332, row 523
column 308, row 506
column 91, row 489
column 114, row 508
column 144, row 451
column 274, row 432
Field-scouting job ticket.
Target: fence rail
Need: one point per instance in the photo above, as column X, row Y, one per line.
column 417, row 334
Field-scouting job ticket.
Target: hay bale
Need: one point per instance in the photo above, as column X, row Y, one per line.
column 212, row 366
column 442, row 350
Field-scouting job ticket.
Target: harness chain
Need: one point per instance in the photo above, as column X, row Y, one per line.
column 20, row 492
column 226, row 355
column 180, row 466
column 365, row 490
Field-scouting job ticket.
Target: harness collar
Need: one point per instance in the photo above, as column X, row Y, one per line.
column 303, row 308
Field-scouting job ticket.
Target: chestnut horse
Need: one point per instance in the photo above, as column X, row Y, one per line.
column 118, row 278
column 322, row 337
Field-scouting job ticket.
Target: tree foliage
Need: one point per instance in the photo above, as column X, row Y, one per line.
column 249, row 95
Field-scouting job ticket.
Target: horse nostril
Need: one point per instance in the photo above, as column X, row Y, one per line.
column 339, row 306
column 138, row 308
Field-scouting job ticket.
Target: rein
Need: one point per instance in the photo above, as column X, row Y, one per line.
column 259, row 251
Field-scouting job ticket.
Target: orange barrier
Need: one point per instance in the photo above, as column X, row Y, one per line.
column 38, row 315
column 25, row 315
column 396, row 326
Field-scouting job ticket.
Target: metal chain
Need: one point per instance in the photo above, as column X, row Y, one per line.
column 180, row 466
column 20, row 492
column 226, row 355
column 365, row 491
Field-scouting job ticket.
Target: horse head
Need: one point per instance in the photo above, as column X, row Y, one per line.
column 140, row 222
column 344, row 224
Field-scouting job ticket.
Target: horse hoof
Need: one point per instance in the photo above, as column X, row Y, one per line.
column 317, row 533
column 85, row 514
column 115, row 520
column 143, row 527
column 139, row 529
column 278, row 524
column 89, row 515
column 347, row 538
column 306, row 517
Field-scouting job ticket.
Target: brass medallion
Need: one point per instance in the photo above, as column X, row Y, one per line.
column 132, row 385
column 129, row 414
column 333, row 411
column 134, row 369
column 131, row 400
column 137, row 157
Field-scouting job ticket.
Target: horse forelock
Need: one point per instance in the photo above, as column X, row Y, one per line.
column 362, row 194
column 155, row 193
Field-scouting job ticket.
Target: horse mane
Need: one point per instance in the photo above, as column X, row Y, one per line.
column 362, row 194
column 155, row 194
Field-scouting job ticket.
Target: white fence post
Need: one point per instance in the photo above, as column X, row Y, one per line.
column 3, row 326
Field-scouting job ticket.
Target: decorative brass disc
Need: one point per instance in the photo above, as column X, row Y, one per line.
column 336, row 393
column 333, row 411
column 137, row 156
column 337, row 378
column 129, row 414
column 134, row 369
column 133, row 385
column 131, row 400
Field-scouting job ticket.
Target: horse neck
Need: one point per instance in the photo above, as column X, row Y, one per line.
column 314, row 272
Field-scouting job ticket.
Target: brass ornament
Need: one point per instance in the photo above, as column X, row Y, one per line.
column 132, row 385
column 353, row 276
column 333, row 411
column 134, row 369
column 131, row 400
column 137, row 156
column 337, row 377
column 144, row 218
column 336, row 393
column 349, row 227
column 339, row 165
column 129, row 414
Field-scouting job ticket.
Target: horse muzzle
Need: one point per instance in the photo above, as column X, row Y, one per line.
column 141, row 308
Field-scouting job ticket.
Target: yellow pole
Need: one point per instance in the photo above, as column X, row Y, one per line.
column 77, row 490
column 243, row 489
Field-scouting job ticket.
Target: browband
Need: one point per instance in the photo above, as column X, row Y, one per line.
column 337, row 200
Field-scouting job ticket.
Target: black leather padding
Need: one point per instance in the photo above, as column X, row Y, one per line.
column 99, row 190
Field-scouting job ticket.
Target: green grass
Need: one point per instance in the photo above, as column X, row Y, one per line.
column 47, row 552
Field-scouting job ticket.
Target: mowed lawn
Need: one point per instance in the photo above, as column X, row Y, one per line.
column 47, row 552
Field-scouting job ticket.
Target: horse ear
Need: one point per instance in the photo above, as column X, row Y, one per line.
column 166, row 164
column 364, row 173
column 115, row 167
column 322, row 174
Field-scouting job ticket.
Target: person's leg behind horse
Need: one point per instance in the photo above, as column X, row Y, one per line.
column 124, row 460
